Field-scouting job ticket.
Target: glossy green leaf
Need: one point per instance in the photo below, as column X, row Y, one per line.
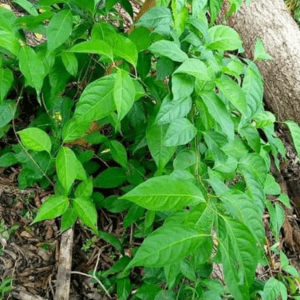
column 118, row 152
column 168, row 49
column 182, row 86
column 86, row 211
column 155, row 17
column 239, row 256
column 9, row 42
column 233, row 92
column 155, row 138
column 110, row 178
column 59, row 29
column 173, row 109
column 220, row 114
column 180, row 132
column 260, row 52
column 7, row 112
column 224, row 38
column 6, row 81
column 35, row 139
column 53, row 207
column 67, row 166
column 252, row 136
column 273, row 289
column 271, row 187
column 194, row 67
column 85, row 189
column 70, row 62
column 295, row 132
column 32, row 67
column 28, row 6
column 68, row 219
column 166, row 245
column 93, row 46
column 165, row 193
column 124, row 93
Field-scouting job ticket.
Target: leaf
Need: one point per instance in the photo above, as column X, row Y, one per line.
column 67, row 166
column 110, row 178
column 68, row 219
column 233, row 92
column 295, row 132
column 96, row 102
column 9, row 42
column 70, row 62
column 155, row 17
column 165, row 193
column 277, row 217
column 7, row 160
column 220, row 114
column 260, row 52
column 185, row 158
column 7, row 112
column 53, row 207
column 6, row 81
column 124, row 93
column 194, row 67
column 271, row 187
column 165, row 295
column 166, row 245
column 119, row 266
column 168, row 49
column 187, row 270
column 93, row 46
column 59, row 29
column 26, row 5
column 224, row 38
column 171, row 273
column 239, row 256
column 32, row 67
column 182, row 86
column 118, row 152
column 180, row 132
column 123, row 288
column 273, row 288
column 85, row 189
column 86, row 211
column 134, row 214
column 35, row 139
column 155, row 138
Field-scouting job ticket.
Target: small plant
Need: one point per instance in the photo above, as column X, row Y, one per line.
column 166, row 121
column 6, row 287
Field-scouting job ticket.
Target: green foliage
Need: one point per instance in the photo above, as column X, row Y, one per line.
column 179, row 150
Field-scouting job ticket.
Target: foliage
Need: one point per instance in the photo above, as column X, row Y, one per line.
column 185, row 144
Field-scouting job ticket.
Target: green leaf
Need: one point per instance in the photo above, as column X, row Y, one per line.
column 182, row 86
column 118, row 152
column 53, row 207
column 277, row 217
column 224, row 38
column 93, row 46
column 165, row 295
column 70, row 62
column 10, row 42
column 171, row 272
column 260, row 52
column 86, row 211
column 273, row 288
column 85, row 189
column 6, row 81
column 35, row 139
column 155, row 138
column 165, row 193
column 119, row 266
column 134, row 214
column 239, row 256
column 220, row 114
column 110, row 178
column 185, row 158
column 67, row 166
column 166, row 245
column 96, row 102
column 295, row 132
column 173, row 109
column 7, row 160
column 233, row 92
column 111, row 239
column 156, row 17
column 168, row 49
column 124, row 93
column 68, row 219
column 194, row 67
column 187, row 270
column 32, row 67
column 26, row 5
column 59, row 29
column 271, row 187
column 140, row 36
column 147, row 291
column 180, row 132
column 86, row 5
column 284, row 199
column 123, row 288
column 7, row 112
